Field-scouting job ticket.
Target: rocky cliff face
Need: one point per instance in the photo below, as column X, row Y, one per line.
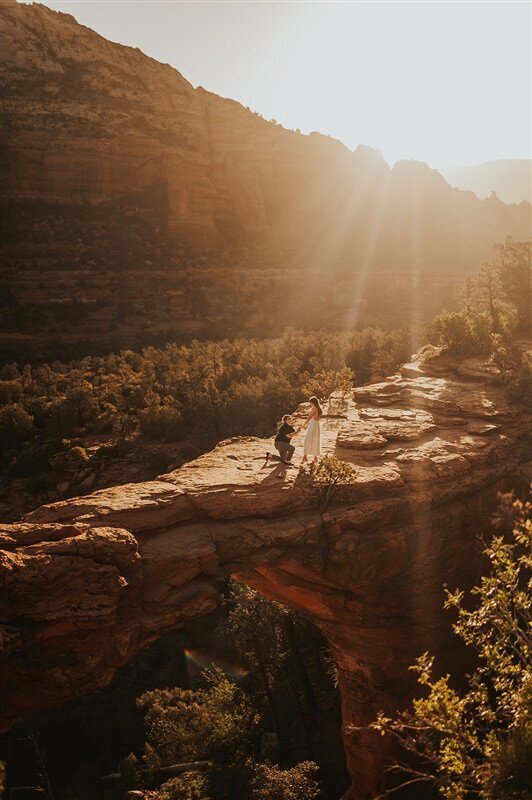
column 116, row 172
column 87, row 119
column 89, row 581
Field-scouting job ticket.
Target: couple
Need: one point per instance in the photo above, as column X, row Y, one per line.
column 311, row 445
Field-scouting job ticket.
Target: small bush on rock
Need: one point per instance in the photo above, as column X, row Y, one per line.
column 328, row 474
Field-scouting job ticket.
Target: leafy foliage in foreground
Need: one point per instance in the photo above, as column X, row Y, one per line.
column 478, row 744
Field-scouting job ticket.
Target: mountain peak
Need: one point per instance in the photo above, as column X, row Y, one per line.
column 511, row 179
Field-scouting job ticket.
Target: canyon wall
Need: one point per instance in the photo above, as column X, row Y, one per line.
column 89, row 581
column 85, row 119
column 136, row 208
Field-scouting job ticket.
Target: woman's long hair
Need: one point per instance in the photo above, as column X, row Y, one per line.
column 316, row 403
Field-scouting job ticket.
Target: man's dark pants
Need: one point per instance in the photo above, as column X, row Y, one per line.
column 286, row 451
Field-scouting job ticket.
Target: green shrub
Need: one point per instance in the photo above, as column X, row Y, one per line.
column 216, row 724
column 460, row 332
column 77, row 455
column 82, row 399
column 327, row 474
column 16, row 425
column 190, row 786
column 328, row 381
column 504, row 356
column 62, row 418
column 161, row 423
column 270, row 782
column 10, row 392
column 38, row 408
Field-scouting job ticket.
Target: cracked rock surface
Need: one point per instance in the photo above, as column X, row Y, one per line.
column 87, row 582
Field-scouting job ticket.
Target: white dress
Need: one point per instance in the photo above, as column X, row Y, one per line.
column 312, row 445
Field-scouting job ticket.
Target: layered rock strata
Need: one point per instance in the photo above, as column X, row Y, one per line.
column 89, row 581
column 85, row 119
column 121, row 183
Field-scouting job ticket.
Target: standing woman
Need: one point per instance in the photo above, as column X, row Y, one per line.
column 312, row 444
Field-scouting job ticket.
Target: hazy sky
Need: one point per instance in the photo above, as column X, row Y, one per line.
column 444, row 82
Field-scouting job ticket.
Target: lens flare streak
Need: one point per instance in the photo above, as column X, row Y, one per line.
column 197, row 661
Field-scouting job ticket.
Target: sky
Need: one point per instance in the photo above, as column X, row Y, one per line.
column 446, row 82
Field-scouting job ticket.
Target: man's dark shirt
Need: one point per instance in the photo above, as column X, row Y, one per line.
column 283, row 430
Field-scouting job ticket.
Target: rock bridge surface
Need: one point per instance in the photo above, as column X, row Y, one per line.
column 87, row 582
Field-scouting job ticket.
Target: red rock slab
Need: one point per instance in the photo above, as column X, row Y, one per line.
column 136, row 506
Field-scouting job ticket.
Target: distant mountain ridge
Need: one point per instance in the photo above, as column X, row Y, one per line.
column 510, row 179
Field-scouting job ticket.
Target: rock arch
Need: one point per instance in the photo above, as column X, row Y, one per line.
column 89, row 581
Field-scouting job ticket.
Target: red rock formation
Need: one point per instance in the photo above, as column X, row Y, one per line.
column 89, row 581
column 87, row 119
column 92, row 131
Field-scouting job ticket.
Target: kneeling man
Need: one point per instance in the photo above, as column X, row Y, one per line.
column 282, row 440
